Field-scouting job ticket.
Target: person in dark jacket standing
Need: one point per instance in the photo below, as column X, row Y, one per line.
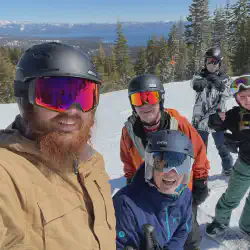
column 212, row 88
column 237, row 121
column 158, row 195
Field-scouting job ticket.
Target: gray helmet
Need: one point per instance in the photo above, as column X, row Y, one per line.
column 169, row 141
column 51, row 59
column 146, row 82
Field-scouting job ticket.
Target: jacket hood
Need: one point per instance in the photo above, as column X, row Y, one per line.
column 12, row 139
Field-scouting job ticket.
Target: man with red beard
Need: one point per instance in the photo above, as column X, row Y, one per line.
column 54, row 191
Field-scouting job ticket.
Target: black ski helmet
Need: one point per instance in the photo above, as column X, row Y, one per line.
column 146, row 82
column 214, row 52
column 50, row 59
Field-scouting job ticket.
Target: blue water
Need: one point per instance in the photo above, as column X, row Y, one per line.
column 134, row 38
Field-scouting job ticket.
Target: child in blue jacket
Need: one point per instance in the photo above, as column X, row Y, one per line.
column 158, row 195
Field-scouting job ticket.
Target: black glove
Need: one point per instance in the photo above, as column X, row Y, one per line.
column 231, row 143
column 215, row 122
column 218, row 82
column 129, row 180
column 200, row 191
column 199, row 84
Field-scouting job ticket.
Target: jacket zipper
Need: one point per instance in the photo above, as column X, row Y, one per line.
column 76, row 165
column 167, row 224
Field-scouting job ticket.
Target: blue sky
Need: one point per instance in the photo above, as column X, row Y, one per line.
column 98, row 11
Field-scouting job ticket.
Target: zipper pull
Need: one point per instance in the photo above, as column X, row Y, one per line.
column 76, row 167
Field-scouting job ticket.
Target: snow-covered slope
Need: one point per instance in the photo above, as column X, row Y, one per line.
column 112, row 112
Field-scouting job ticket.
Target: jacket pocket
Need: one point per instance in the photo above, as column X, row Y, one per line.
column 55, row 207
column 63, row 224
column 102, row 183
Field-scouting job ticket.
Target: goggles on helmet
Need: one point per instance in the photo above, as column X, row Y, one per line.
column 138, row 99
column 60, row 93
column 212, row 60
column 167, row 150
column 167, row 161
column 240, row 82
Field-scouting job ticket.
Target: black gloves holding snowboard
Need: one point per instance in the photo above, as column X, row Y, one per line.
column 200, row 191
column 211, row 80
column 219, row 82
column 199, row 83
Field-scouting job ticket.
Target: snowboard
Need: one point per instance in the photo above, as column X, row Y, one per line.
column 233, row 238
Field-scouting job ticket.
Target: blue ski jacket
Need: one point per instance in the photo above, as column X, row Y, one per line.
column 139, row 203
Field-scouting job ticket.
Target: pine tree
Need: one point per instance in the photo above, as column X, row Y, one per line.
column 7, row 71
column 220, row 26
column 240, row 49
column 100, row 61
column 113, row 67
column 123, row 61
column 181, row 67
column 141, row 62
column 152, row 54
column 180, row 29
column 220, row 36
column 197, row 33
column 173, row 51
column 164, row 60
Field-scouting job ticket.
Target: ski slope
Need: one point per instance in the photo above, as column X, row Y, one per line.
column 112, row 112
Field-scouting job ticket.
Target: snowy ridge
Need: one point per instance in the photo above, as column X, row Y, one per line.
column 113, row 111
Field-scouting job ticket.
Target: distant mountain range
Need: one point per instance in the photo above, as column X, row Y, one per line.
column 137, row 33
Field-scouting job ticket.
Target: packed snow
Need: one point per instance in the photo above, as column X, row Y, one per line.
column 113, row 111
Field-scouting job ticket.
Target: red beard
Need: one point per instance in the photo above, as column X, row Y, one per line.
column 57, row 148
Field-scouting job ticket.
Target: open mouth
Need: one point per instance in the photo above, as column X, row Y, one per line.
column 67, row 122
column 146, row 112
column 169, row 182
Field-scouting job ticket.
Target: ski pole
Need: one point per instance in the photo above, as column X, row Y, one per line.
column 150, row 238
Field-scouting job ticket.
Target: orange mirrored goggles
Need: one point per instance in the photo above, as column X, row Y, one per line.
column 138, row 99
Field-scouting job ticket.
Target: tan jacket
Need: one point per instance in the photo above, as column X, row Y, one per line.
column 41, row 209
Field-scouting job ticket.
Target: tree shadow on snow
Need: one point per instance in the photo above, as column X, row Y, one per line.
column 117, row 184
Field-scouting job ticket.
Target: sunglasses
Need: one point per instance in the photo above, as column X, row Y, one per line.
column 243, row 81
column 60, row 93
column 138, row 99
column 212, row 60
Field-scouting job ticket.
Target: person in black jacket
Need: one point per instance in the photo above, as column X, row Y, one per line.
column 212, row 88
column 237, row 120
